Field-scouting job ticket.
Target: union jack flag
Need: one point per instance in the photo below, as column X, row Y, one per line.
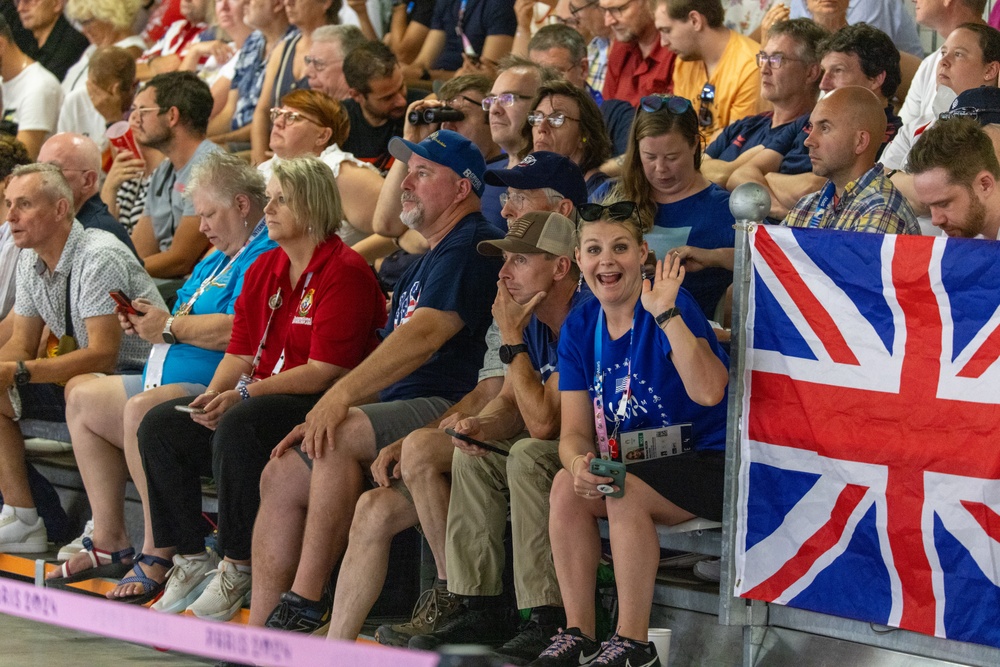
column 870, row 477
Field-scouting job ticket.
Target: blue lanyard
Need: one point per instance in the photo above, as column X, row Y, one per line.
column 466, row 44
column 825, row 197
column 608, row 446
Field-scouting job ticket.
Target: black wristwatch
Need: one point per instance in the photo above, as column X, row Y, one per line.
column 22, row 375
column 508, row 352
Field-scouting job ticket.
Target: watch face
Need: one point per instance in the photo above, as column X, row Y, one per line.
column 505, row 355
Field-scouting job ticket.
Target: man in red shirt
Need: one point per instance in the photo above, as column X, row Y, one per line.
column 638, row 64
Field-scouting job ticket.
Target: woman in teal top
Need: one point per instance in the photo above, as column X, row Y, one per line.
column 103, row 413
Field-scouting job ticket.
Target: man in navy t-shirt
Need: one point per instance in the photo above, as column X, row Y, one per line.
column 789, row 80
column 437, row 324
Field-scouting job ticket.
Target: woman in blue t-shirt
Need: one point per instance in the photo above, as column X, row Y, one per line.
column 678, row 207
column 188, row 343
column 638, row 356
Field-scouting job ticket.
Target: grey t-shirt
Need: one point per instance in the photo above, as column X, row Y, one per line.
column 165, row 200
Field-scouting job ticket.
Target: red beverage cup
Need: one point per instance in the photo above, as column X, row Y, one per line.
column 120, row 136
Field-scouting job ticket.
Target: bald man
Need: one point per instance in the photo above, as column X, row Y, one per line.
column 847, row 128
column 79, row 160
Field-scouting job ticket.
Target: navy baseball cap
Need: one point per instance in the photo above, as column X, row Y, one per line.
column 544, row 169
column 446, row 148
column 981, row 104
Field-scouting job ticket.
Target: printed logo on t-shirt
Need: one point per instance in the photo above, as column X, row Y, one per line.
column 305, row 305
column 407, row 304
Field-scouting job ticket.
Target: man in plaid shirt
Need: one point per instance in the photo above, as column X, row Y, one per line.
column 845, row 132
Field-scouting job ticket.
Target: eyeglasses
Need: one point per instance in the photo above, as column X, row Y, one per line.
column 576, row 10
column 518, row 200
column 620, row 211
column 290, row 117
column 536, row 118
column 774, row 59
column 142, row 110
column 616, row 12
column 319, row 64
column 705, row 117
column 505, row 100
column 674, row 104
column 572, row 21
column 453, row 101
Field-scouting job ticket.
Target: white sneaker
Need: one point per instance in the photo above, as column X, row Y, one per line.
column 185, row 582
column 76, row 546
column 224, row 595
column 18, row 537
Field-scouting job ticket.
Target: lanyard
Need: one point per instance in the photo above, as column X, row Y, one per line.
column 466, row 44
column 609, row 445
column 274, row 303
column 825, row 197
column 219, row 272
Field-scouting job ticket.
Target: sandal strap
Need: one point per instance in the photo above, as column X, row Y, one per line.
column 148, row 559
column 102, row 557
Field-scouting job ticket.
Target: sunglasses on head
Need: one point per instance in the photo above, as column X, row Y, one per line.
column 619, row 211
column 675, row 105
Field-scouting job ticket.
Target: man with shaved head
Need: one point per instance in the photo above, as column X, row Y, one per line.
column 79, row 160
column 845, row 132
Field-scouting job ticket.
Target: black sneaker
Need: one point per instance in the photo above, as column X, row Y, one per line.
column 490, row 627
column 569, row 648
column 294, row 613
column 624, row 652
column 528, row 643
column 434, row 608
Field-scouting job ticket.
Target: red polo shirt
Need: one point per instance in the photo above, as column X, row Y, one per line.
column 630, row 76
column 331, row 314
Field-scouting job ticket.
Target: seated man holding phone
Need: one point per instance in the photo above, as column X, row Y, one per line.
column 64, row 276
column 538, row 288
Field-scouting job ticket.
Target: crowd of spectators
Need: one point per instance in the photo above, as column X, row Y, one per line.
column 286, row 244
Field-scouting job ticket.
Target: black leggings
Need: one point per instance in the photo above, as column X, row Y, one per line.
column 177, row 452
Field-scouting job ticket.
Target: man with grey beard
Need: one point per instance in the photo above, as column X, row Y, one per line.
column 427, row 361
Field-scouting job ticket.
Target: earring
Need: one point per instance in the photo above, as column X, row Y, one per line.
column 246, row 223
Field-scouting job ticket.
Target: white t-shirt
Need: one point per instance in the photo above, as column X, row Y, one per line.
column 79, row 115
column 32, row 99
column 926, row 97
column 76, row 75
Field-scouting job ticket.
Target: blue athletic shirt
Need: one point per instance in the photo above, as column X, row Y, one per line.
column 658, row 397
column 543, row 347
column 187, row 363
column 756, row 131
column 451, row 277
column 481, row 19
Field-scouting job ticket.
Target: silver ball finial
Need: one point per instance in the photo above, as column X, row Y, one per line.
column 750, row 201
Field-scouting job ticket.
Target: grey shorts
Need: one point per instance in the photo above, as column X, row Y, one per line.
column 133, row 386
column 397, row 419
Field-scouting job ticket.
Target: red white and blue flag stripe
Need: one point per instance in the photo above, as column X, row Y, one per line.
column 870, row 434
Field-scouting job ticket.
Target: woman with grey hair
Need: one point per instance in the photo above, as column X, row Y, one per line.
column 103, row 413
column 312, row 315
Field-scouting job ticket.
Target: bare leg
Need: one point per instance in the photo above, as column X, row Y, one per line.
column 576, row 550
column 632, row 520
column 380, row 514
column 424, row 464
column 337, row 482
column 277, row 533
column 13, row 470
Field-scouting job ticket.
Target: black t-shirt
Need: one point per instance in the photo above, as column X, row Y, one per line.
column 371, row 144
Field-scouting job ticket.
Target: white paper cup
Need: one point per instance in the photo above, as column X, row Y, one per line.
column 661, row 640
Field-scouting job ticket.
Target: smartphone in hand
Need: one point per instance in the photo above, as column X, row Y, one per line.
column 478, row 443
column 124, row 303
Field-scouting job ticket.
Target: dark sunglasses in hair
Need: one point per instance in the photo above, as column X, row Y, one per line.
column 705, row 116
column 675, row 105
column 620, row 211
